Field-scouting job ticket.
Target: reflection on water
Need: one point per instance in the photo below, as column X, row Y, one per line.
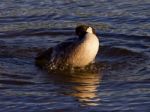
column 84, row 86
column 86, row 89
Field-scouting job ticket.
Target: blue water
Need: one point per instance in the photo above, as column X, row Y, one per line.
column 122, row 80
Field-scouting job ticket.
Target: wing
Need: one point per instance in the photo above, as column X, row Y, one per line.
column 55, row 52
column 43, row 57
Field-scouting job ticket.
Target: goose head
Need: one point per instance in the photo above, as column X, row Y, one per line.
column 81, row 30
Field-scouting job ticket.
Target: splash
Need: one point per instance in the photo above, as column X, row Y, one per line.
column 91, row 68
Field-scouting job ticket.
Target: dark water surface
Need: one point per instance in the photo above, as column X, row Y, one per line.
column 123, row 80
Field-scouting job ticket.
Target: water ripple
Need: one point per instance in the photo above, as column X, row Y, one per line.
column 31, row 26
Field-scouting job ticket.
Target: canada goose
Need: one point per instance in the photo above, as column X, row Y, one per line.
column 76, row 53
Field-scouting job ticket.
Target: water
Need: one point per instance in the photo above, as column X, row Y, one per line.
column 122, row 82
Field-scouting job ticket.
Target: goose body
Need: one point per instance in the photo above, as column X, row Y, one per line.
column 77, row 53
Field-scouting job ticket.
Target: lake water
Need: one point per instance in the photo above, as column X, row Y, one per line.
column 122, row 82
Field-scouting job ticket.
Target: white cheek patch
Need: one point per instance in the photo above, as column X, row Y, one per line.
column 89, row 30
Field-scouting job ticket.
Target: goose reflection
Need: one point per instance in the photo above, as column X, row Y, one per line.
column 82, row 86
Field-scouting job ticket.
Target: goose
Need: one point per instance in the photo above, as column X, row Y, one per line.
column 77, row 52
